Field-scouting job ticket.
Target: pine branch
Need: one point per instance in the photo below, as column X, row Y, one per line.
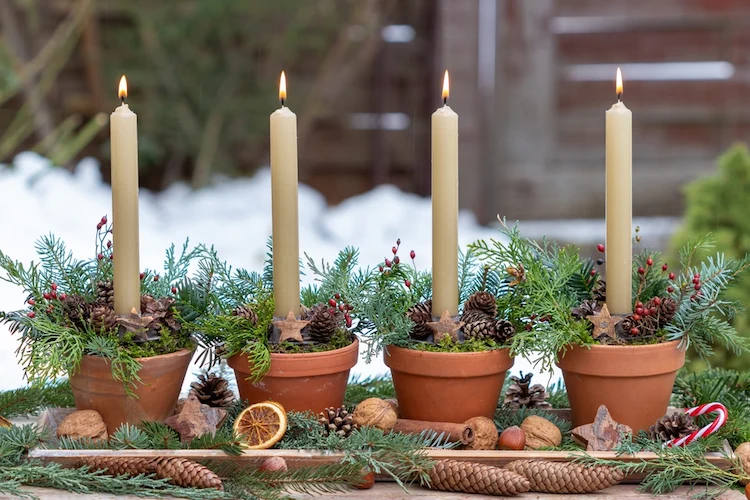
column 31, row 400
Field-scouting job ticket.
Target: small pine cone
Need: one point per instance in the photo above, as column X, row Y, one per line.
column 672, row 426
column 482, row 301
column 600, row 292
column 625, row 326
column 213, row 391
column 468, row 477
column 247, row 313
column 565, row 477
column 179, row 471
column 480, row 329
column 521, row 394
column 76, row 309
column 420, row 314
column 323, row 323
column 337, row 420
column 667, row 310
column 587, row 308
column 103, row 318
column 105, row 293
column 504, row 330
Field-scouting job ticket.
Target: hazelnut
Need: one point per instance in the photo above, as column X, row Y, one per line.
column 485, row 434
column 743, row 454
column 83, row 424
column 273, row 464
column 540, row 433
column 368, row 480
column 375, row 412
column 512, row 438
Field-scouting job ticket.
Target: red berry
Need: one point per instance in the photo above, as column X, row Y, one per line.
column 671, row 276
column 670, row 289
column 46, row 296
column 396, row 259
column 109, row 244
column 331, row 302
column 697, row 275
column 634, row 331
column 639, row 304
column 349, row 307
column 387, row 263
column 636, row 317
column 653, row 311
column 174, row 290
column 337, row 296
column 600, row 247
column 412, row 254
column 528, row 327
column 641, row 270
column 104, row 220
column 156, row 277
column 649, row 261
column 657, row 301
column 380, row 269
column 407, row 283
column 639, row 310
column 63, row 296
column 100, row 256
column 664, row 267
column 53, row 286
column 646, row 312
column 696, row 281
column 348, row 321
column 332, row 310
column 697, row 286
column 112, row 256
column 32, row 302
column 398, row 242
column 592, row 272
column 99, row 226
column 693, row 297
column 53, row 295
column 394, row 250
column 50, row 310
column 143, row 275
column 342, row 307
column 31, row 314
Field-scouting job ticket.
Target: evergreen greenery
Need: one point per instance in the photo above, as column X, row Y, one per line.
column 372, row 387
column 718, row 204
column 33, row 399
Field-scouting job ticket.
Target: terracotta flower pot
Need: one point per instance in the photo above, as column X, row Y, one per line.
column 94, row 388
column 635, row 382
column 300, row 382
column 447, row 387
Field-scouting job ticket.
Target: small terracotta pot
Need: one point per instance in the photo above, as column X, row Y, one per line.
column 300, row 382
column 634, row 382
column 446, row 386
column 94, row 388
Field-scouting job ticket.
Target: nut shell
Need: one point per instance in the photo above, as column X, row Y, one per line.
column 743, row 454
column 86, row 424
column 540, row 433
column 375, row 412
column 368, row 480
column 512, row 438
column 485, row 434
column 273, row 464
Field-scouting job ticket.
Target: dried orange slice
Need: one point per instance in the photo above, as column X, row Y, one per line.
column 261, row 425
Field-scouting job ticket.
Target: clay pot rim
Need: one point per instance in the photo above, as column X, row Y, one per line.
column 308, row 356
column 179, row 353
column 612, row 348
column 604, row 360
column 447, row 364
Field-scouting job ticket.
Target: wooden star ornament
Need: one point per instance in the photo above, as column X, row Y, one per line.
column 601, row 435
column 446, row 327
column 290, row 328
column 604, row 323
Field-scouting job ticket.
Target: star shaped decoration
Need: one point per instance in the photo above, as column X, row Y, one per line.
column 604, row 323
column 601, row 435
column 290, row 328
column 446, row 327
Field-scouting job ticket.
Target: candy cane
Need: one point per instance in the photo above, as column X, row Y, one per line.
column 714, row 426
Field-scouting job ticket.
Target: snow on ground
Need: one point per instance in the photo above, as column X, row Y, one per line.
column 234, row 216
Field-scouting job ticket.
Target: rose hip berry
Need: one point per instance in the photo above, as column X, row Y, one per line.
column 641, row 270
column 664, row 267
column 649, row 262
column 634, row 331
column 31, row 302
column 46, row 296
column 63, row 296
column 396, row 259
column 670, row 289
column 394, row 250
column 671, row 276
column 412, row 254
column 388, row 263
column 143, row 275
column 600, row 247
column 156, row 277
column 337, row 296
column 592, row 272
column 407, row 283
column 53, row 286
column 657, row 301
column 174, row 290
column 331, row 302
column 31, row 314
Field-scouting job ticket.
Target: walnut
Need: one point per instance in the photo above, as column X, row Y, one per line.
column 485, row 434
column 540, row 433
column 743, row 454
column 394, row 404
column 375, row 412
column 83, row 424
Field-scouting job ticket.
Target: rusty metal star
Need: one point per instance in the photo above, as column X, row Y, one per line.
column 446, row 327
column 290, row 328
column 604, row 323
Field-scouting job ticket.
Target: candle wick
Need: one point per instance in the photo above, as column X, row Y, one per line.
column 282, row 102
column 445, row 101
column 619, row 97
column 122, row 99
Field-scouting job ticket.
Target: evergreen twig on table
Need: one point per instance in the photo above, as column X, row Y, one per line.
column 31, row 400
column 371, row 387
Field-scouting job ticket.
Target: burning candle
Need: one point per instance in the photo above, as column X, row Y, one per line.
column 445, row 207
column 284, row 207
column 124, row 138
column 619, row 205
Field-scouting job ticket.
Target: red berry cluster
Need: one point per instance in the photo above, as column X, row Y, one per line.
column 534, row 319
column 51, row 296
column 103, row 243
column 337, row 303
column 388, row 264
column 696, row 287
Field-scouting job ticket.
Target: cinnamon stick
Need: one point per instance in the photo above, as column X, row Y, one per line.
column 452, row 432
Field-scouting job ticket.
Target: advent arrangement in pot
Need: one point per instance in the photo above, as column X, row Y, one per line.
column 627, row 362
column 128, row 367
column 300, row 361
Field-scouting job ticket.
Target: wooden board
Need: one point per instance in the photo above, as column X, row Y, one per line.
column 302, row 458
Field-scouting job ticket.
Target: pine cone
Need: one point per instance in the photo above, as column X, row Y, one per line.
column 504, row 330
column 323, row 323
column 482, row 301
column 565, row 477
column 481, row 328
column 521, row 394
column 103, row 318
column 667, row 310
column 600, row 292
column 213, row 391
column 77, row 310
column 337, row 420
column 179, row 471
column 672, row 426
column 247, row 313
column 468, row 477
column 420, row 314
column 587, row 308
column 105, row 293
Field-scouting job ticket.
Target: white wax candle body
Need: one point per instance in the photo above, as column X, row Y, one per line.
column 126, row 268
column 286, row 286
column 444, row 211
column 619, row 209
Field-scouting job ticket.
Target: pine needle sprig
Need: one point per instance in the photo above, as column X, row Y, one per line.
column 506, row 417
column 224, row 439
column 31, row 400
column 160, row 436
column 357, row 390
column 129, row 437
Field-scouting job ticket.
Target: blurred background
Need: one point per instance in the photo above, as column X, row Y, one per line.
column 531, row 81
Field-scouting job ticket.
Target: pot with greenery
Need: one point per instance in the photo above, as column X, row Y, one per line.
column 128, row 368
column 443, row 370
column 308, row 373
column 629, row 362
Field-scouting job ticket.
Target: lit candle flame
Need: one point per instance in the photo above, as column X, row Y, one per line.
column 446, row 87
column 122, row 92
column 282, row 88
column 618, row 85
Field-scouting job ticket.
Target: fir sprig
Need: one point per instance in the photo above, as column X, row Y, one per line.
column 31, row 400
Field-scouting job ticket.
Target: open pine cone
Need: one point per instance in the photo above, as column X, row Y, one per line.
column 672, row 426
column 324, row 321
column 213, row 391
column 521, row 394
column 420, row 314
column 77, row 310
column 482, row 301
column 156, row 314
column 504, row 330
column 105, row 293
column 337, row 420
column 481, row 327
column 103, row 318
column 247, row 313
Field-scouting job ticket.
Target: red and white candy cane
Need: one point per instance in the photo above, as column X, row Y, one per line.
column 714, row 426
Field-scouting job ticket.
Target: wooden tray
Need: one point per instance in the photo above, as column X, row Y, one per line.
column 302, row 458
